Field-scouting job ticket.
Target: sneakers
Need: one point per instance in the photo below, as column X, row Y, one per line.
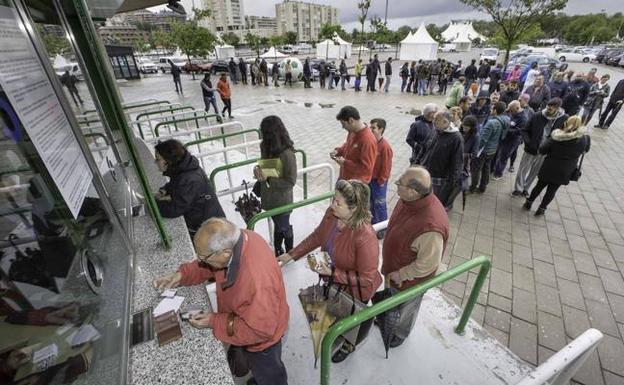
column 516, row 193
column 539, row 212
column 512, row 169
column 527, row 205
column 525, row 194
column 344, row 351
column 496, row 177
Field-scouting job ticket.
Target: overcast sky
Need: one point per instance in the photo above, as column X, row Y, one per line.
column 410, row 12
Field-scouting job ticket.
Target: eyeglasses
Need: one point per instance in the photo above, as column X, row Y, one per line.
column 207, row 257
column 399, row 184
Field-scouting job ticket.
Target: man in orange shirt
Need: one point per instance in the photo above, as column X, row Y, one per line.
column 381, row 173
column 252, row 310
column 223, row 88
column 357, row 155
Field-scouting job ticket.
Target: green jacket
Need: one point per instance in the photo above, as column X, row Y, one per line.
column 277, row 192
column 457, row 92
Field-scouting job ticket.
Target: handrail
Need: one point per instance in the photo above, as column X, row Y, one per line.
column 359, row 317
column 18, row 170
column 199, row 130
column 195, row 118
column 289, row 207
column 561, row 367
column 225, row 136
column 161, row 113
column 139, row 105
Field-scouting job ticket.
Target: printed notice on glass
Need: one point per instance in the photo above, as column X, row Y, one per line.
column 30, row 92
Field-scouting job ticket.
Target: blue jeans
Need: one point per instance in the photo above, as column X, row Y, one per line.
column 422, row 86
column 507, row 147
column 378, row 201
column 403, row 84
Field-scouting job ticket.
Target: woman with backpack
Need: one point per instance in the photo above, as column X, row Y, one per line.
column 277, row 190
column 561, row 165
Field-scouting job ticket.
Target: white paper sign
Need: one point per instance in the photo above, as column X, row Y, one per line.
column 28, row 88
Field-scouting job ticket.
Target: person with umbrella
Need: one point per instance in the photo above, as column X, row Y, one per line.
column 253, row 313
column 347, row 236
column 416, row 237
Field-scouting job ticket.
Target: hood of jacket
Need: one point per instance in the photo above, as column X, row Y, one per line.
column 451, row 129
column 561, row 136
column 188, row 163
column 559, row 114
column 421, row 118
column 483, row 95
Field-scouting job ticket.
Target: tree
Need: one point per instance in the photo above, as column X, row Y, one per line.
column 436, row 32
column 55, row 44
column 254, row 42
column 192, row 39
column 276, row 41
column 163, row 40
column 363, row 6
column 230, row 38
column 291, row 37
column 328, row 30
column 516, row 17
column 381, row 34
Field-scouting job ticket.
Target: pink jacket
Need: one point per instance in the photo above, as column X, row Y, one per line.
column 355, row 250
column 250, row 291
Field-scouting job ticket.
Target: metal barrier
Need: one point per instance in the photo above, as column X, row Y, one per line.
column 138, row 104
column 223, row 137
column 290, row 207
column 167, row 122
column 208, row 129
column 159, row 114
column 561, row 367
column 345, row 324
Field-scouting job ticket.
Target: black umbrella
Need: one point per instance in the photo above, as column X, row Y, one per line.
column 388, row 320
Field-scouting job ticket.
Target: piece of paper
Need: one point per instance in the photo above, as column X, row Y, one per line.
column 168, row 304
column 50, row 351
column 169, row 293
column 270, row 172
column 85, row 334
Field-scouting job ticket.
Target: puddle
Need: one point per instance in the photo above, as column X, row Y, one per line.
column 301, row 104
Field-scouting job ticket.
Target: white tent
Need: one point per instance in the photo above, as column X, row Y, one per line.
column 272, row 53
column 419, row 45
column 224, row 51
column 345, row 46
column 462, row 43
column 458, row 28
column 327, row 49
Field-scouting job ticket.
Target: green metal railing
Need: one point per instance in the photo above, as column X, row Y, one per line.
column 223, row 136
column 131, row 106
column 225, row 167
column 161, row 113
column 352, row 321
column 284, row 209
column 196, row 119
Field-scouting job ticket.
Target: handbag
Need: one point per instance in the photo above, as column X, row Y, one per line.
column 341, row 305
column 237, row 361
column 576, row 173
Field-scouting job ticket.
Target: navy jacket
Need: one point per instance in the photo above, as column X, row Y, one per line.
column 420, row 134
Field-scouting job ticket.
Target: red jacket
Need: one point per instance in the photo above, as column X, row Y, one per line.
column 383, row 162
column 359, row 152
column 251, row 288
column 354, row 250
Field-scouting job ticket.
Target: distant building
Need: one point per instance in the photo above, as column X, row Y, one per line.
column 122, row 35
column 261, row 26
column 144, row 18
column 226, row 16
column 305, row 19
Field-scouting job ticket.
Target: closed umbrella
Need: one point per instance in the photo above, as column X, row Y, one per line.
column 319, row 319
column 388, row 320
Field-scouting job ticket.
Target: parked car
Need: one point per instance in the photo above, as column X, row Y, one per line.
column 146, row 66
column 196, row 65
column 219, row 66
column 73, row 69
column 164, row 65
column 448, row 47
column 524, row 51
column 289, row 50
column 543, row 62
column 490, row 54
column 602, row 56
column 617, row 60
column 575, row 55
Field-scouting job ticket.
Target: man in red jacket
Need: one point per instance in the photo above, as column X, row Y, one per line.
column 251, row 298
column 416, row 237
column 356, row 156
column 381, row 173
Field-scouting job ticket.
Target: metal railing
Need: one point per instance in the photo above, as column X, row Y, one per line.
column 208, row 129
column 224, row 138
column 138, row 104
column 197, row 115
column 561, row 367
column 289, row 207
column 172, row 115
column 345, row 324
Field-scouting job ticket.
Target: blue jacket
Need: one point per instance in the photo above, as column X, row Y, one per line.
column 558, row 90
column 421, row 132
column 492, row 133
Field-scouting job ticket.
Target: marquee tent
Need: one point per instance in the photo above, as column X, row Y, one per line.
column 328, row 49
column 419, row 45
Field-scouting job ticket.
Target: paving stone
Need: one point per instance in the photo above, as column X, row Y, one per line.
column 613, row 379
column 544, row 273
column 590, row 372
column 497, row 319
column 523, row 278
column 500, row 303
column 463, row 247
column 523, row 340
column 584, row 263
column 548, row 299
column 542, row 252
column 611, row 351
column 550, row 331
column 501, row 336
column 502, row 259
column 570, row 294
column 522, row 255
column 612, row 281
column 543, row 354
column 565, row 268
column 524, row 305
column 576, row 321
column 601, row 318
column 603, row 258
column 592, row 287
column 500, row 282
column 616, row 303
column 617, row 252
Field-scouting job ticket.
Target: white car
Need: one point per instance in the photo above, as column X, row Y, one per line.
column 146, row 66
column 448, row 47
column 490, row 54
column 73, row 69
column 164, row 66
column 575, row 55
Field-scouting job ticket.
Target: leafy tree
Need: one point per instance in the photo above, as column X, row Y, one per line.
column 254, row 42
column 436, row 32
column 276, row 41
column 402, row 32
column 291, row 37
column 328, row 30
column 363, row 6
column 516, row 17
column 55, row 45
column 231, row 38
column 354, row 34
column 163, row 40
column 192, row 39
column 587, row 29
